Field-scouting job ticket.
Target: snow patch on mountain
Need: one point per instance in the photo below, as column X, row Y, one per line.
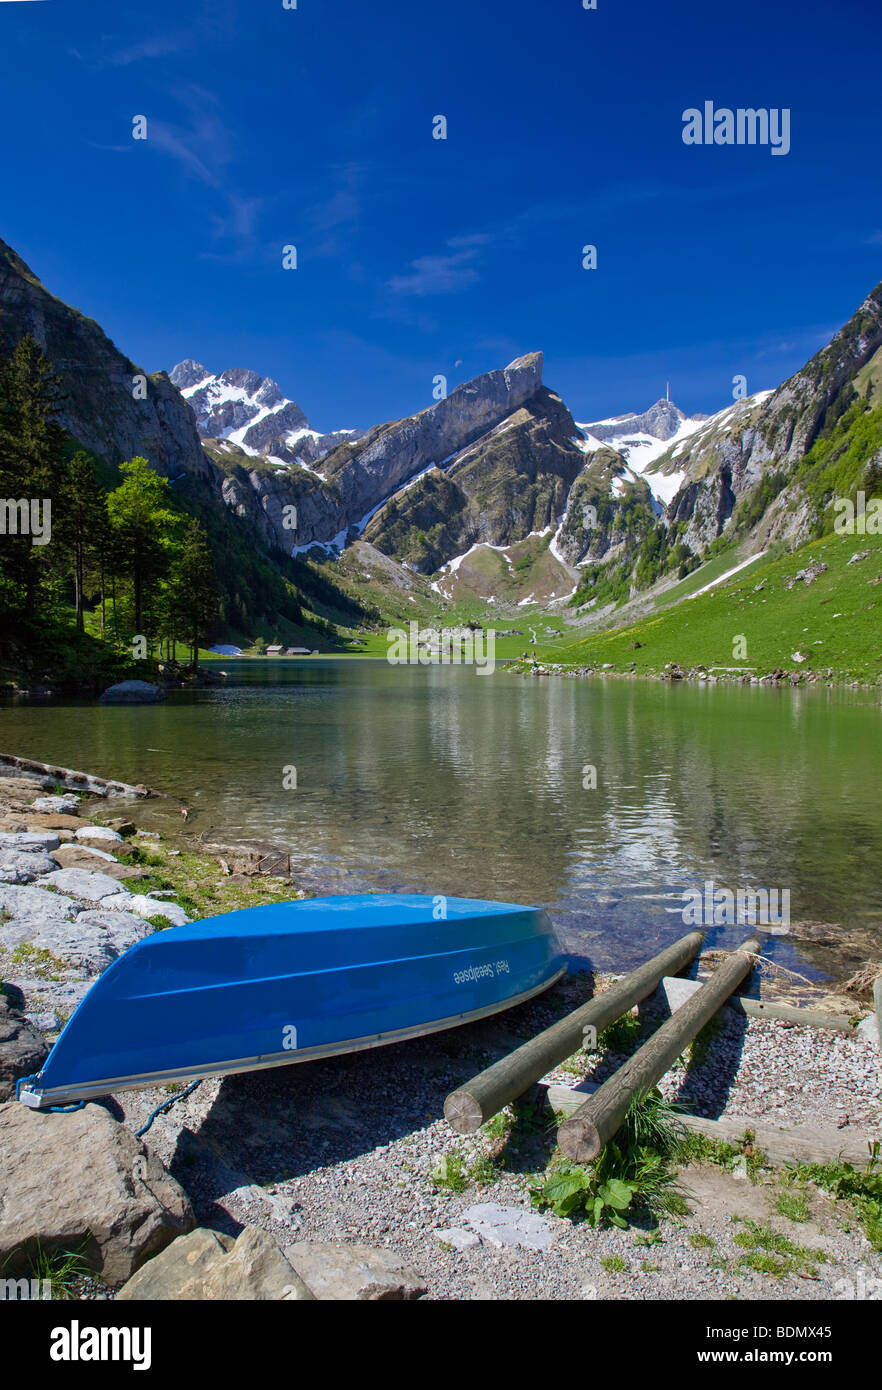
column 251, row 412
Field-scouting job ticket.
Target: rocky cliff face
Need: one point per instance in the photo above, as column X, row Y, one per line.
column 101, row 410
column 731, row 454
column 513, row 480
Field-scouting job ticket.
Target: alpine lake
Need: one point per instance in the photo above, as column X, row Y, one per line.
column 608, row 801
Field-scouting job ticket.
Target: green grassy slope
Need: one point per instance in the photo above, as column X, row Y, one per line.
column 835, row 622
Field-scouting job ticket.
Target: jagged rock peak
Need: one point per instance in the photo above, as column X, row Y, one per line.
column 188, row 374
column 662, row 420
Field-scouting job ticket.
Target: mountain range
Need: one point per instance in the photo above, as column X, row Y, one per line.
column 495, row 489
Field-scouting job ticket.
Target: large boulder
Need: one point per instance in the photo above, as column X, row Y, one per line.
column 82, row 1182
column 338, row 1270
column 211, row 1265
column 132, row 693
column 22, row 1049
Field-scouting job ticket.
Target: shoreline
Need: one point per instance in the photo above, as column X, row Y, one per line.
column 348, row 1159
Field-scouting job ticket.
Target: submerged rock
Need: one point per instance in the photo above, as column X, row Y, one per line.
column 132, row 693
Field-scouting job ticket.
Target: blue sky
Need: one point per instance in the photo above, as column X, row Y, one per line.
column 417, row 257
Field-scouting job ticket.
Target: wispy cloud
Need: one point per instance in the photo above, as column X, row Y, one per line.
column 453, row 270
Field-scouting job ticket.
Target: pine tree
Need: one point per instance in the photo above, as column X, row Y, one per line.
column 82, row 523
column 194, row 586
column 32, row 459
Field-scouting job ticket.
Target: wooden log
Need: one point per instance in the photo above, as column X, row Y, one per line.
column 801, row 1144
column 584, row 1135
column 484, row 1096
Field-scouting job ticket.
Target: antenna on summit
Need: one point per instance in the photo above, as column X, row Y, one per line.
column 667, row 391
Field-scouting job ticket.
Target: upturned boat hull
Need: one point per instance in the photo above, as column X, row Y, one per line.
column 269, row 986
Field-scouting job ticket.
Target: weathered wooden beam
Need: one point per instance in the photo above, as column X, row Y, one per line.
column 802, row 1144
column 786, row 1013
column 479, row 1099
column 584, row 1135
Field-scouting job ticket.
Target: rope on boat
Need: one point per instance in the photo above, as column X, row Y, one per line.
column 47, row 1109
column 166, row 1105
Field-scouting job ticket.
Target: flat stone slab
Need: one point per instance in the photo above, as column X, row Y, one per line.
column 29, row 862
column 84, row 948
column 338, row 1271
column 38, row 903
column 38, row 821
column 56, row 805
column 94, row 861
column 102, row 835
column 28, row 839
column 508, row 1226
column 83, row 883
column 458, row 1238
column 147, row 907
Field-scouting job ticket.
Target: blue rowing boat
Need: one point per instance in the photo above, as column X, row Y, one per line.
column 268, row 986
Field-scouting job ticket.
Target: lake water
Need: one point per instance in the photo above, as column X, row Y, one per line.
column 437, row 779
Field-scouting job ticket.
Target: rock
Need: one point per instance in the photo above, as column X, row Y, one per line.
column 147, row 907
column 45, row 1023
column 82, row 1181
column 56, row 805
column 79, row 857
column 458, row 1238
column 22, row 1049
column 123, row 929
column 132, row 693
column 508, row 1226
column 122, row 826
column 28, row 864
column 870, row 1028
column 211, row 1265
column 339, row 1271
column 98, row 836
column 675, row 991
column 78, row 945
column 83, row 883
column 36, row 904
column 27, row 839
column 37, row 822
